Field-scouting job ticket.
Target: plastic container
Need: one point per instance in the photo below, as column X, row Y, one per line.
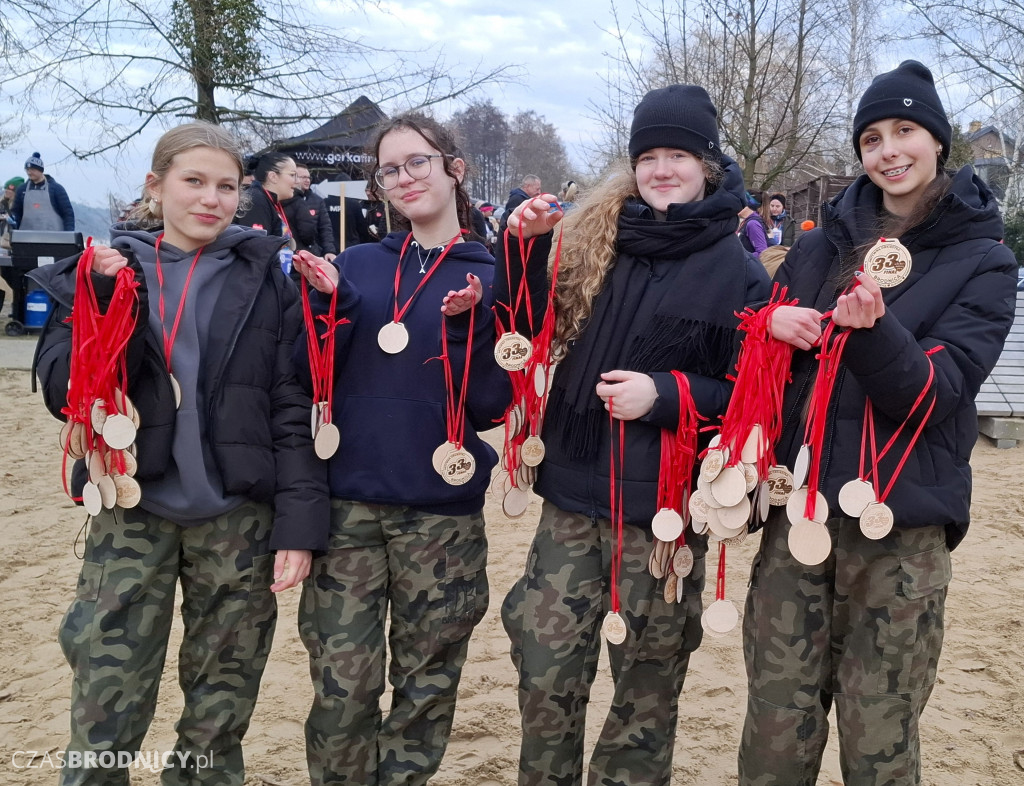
column 37, row 308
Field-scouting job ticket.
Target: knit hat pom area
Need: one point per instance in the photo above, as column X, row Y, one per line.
column 908, row 93
column 35, row 161
column 681, row 117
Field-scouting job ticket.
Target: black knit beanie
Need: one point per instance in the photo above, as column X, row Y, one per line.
column 908, row 93
column 677, row 116
column 778, row 197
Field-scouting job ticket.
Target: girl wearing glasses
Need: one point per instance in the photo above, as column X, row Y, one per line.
column 403, row 540
column 651, row 275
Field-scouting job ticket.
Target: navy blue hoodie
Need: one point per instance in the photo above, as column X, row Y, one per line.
column 390, row 409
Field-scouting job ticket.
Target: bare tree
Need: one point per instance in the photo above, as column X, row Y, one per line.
column 980, row 44
column 484, row 131
column 536, row 149
column 121, row 65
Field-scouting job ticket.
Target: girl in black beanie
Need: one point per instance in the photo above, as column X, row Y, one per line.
column 862, row 628
column 650, row 279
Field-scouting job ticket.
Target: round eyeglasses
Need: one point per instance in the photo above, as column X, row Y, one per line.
column 417, row 167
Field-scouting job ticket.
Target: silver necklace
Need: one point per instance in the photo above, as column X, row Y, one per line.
column 419, row 255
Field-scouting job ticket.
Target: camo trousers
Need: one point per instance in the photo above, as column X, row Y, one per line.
column 863, row 629
column 429, row 572
column 553, row 616
column 115, row 634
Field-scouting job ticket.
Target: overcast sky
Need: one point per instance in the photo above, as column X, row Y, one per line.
column 558, row 46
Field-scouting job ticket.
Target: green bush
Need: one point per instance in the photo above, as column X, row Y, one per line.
column 1014, row 234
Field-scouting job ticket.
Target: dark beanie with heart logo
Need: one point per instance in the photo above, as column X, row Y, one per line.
column 678, row 116
column 907, row 93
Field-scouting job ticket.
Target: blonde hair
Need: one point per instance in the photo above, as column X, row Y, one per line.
column 588, row 249
column 147, row 212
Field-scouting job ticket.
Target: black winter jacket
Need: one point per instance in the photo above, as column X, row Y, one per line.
column 310, row 223
column 258, row 417
column 959, row 295
column 262, row 213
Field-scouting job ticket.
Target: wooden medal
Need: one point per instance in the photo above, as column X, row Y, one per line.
column 614, row 628
column 97, row 415
column 124, row 405
column 667, row 525
column 327, row 440
column 754, row 447
column 801, row 466
column 654, row 564
column 458, row 467
column 781, row 485
column 119, row 431
column 91, row 499
column 876, row 520
column 515, row 502
column 96, row 465
column 440, row 454
column 540, row 381
column 176, row 390
column 131, row 465
column 682, row 561
column 512, row 351
column 736, row 516
column 888, row 263
column 854, row 496
column 720, row 617
column 809, row 542
column 128, row 491
column 705, row 489
column 750, row 474
column 729, row 487
column 515, row 420
column 532, row 451
column 680, row 587
column 669, row 590
column 393, row 338
column 108, row 491
column 764, row 500
column 711, row 467
column 698, row 507
column 798, row 502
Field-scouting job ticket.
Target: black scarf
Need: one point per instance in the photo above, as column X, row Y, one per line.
column 660, row 309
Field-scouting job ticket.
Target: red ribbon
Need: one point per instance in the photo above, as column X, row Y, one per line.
column 615, row 500
column 321, row 355
column 456, row 411
column 400, row 312
column 169, row 339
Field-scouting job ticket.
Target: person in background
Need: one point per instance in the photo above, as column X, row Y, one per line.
column 11, row 275
column 860, row 632
column 567, row 196
column 781, row 227
column 273, row 182
column 751, row 230
column 308, row 218
column 529, row 188
column 375, row 216
column 41, row 203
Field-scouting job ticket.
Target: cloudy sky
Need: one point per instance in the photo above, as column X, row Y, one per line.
column 559, row 47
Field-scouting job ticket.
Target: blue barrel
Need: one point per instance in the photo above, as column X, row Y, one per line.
column 37, row 308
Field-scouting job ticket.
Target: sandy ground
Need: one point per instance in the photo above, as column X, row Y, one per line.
column 973, row 729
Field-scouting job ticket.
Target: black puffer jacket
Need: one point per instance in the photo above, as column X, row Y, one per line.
column 959, row 295
column 258, row 415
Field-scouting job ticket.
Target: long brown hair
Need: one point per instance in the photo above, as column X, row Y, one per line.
column 443, row 140
column 588, row 249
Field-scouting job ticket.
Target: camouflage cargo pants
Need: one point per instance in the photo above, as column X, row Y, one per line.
column 553, row 616
column 863, row 629
column 428, row 571
column 115, row 634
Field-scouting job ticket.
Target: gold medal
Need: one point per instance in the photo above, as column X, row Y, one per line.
column 854, row 496
column 888, row 263
column 458, row 467
column 393, row 338
column 720, row 617
column 809, row 542
column 614, row 628
column 532, row 451
column 512, row 351
column 667, row 525
column 876, row 520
